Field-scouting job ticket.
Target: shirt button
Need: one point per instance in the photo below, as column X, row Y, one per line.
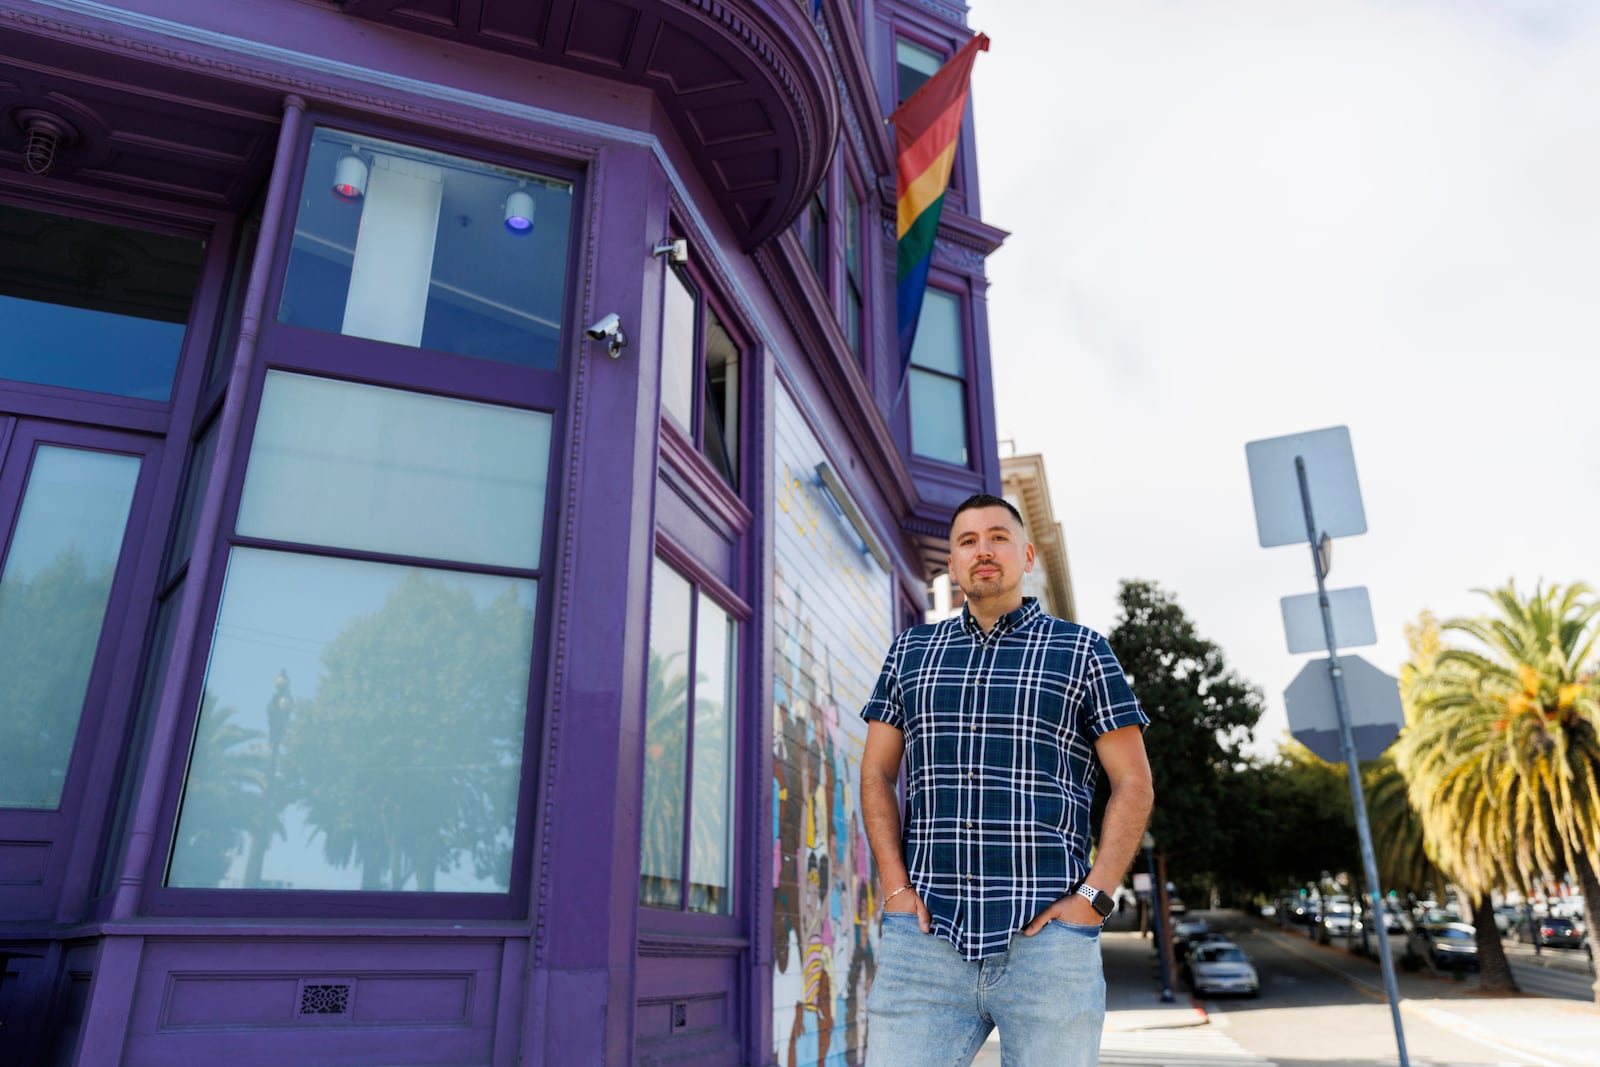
column 969, row 877
column 971, row 775
column 969, row 824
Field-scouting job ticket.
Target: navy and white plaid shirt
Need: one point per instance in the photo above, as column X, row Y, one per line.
column 1000, row 763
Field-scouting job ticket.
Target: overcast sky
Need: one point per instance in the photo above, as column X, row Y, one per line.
column 1239, row 219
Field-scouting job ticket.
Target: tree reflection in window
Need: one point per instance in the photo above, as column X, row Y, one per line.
column 689, row 770
column 399, row 771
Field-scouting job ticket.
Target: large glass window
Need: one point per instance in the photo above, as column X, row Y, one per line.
column 361, row 728
column 937, row 385
column 84, row 305
column 699, row 356
column 816, row 232
column 914, row 65
column 689, row 751
column 385, row 470
column 361, row 722
column 53, row 594
column 854, row 308
column 427, row 250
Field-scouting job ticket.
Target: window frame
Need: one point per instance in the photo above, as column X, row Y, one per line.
column 102, row 716
column 657, row 921
column 317, row 353
column 692, row 438
column 962, row 295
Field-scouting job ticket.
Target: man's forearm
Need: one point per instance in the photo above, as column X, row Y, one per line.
column 880, row 812
column 1121, row 829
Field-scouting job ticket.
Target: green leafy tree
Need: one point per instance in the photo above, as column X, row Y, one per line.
column 1296, row 821
column 407, row 759
column 1398, row 843
column 1202, row 714
column 1502, row 744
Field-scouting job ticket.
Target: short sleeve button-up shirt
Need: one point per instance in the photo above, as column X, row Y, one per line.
column 1000, row 763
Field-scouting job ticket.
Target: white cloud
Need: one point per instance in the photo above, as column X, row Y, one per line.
column 1235, row 219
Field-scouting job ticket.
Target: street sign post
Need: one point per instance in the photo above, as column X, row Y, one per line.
column 1322, row 467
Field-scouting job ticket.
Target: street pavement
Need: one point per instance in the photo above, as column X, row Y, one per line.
column 1141, row 1029
column 1548, row 1030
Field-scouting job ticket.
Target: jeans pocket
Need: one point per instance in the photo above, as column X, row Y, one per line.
column 1075, row 928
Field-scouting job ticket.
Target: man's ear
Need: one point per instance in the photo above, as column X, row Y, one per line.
column 1027, row 557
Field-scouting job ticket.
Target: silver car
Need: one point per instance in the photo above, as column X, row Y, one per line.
column 1222, row 967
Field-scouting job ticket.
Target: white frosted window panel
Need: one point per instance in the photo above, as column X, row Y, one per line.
column 678, row 351
column 53, row 594
column 711, row 786
column 393, row 264
column 360, row 728
column 666, row 740
column 938, row 342
column 938, row 418
column 385, row 470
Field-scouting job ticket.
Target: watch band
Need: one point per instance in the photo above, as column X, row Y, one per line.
column 1102, row 902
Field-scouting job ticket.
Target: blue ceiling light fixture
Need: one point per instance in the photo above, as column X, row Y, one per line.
column 350, row 178
column 519, row 213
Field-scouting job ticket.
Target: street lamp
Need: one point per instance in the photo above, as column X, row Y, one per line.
column 1158, row 901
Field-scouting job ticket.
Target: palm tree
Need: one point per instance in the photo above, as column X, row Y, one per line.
column 1399, row 846
column 1502, row 744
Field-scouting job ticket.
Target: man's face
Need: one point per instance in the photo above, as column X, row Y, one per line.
column 988, row 555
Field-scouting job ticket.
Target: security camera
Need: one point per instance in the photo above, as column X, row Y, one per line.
column 609, row 328
column 676, row 249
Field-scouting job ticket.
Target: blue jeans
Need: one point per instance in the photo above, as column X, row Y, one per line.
column 930, row 1008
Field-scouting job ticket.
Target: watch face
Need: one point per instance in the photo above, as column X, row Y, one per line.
column 1103, row 904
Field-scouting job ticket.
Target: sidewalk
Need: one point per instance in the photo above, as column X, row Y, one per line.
column 1133, row 984
column 1557, row 1032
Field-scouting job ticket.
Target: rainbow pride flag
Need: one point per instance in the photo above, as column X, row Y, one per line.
column 926, row 127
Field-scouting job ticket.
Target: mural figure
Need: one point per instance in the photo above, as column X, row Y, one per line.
column 832, row 610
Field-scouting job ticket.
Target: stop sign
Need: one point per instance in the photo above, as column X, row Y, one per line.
column 1373, row 698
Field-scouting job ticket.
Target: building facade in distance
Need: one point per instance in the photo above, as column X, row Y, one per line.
column 457, row 484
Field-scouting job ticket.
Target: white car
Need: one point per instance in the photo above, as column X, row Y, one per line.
column 1222, row 967
column 1336, row 920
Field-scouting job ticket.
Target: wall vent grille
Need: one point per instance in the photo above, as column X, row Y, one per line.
column 327, row 999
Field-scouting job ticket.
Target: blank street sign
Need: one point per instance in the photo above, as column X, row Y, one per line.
column 1376, row 714
column 1352, row 620
column 1330, row 476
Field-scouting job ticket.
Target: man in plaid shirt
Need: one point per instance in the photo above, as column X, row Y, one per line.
column 1004, row 716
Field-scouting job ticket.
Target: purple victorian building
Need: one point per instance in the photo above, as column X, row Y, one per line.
column 456, row 487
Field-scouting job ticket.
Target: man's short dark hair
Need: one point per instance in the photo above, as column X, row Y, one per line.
column 987, row 500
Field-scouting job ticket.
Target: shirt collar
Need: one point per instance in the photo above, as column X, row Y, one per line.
column 1011, row 620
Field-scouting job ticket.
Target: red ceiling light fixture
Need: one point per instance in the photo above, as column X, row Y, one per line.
column 350, row 178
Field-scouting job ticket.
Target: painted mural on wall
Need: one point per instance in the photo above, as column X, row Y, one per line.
column 831, row 624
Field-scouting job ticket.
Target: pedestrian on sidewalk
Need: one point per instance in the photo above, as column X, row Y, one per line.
column 1005, row 717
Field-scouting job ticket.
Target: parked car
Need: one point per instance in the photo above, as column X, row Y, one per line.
column 1336, row 920
column 1561, row 933
column 1451, row 945
column 1221, row 967
column 1208, row 937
